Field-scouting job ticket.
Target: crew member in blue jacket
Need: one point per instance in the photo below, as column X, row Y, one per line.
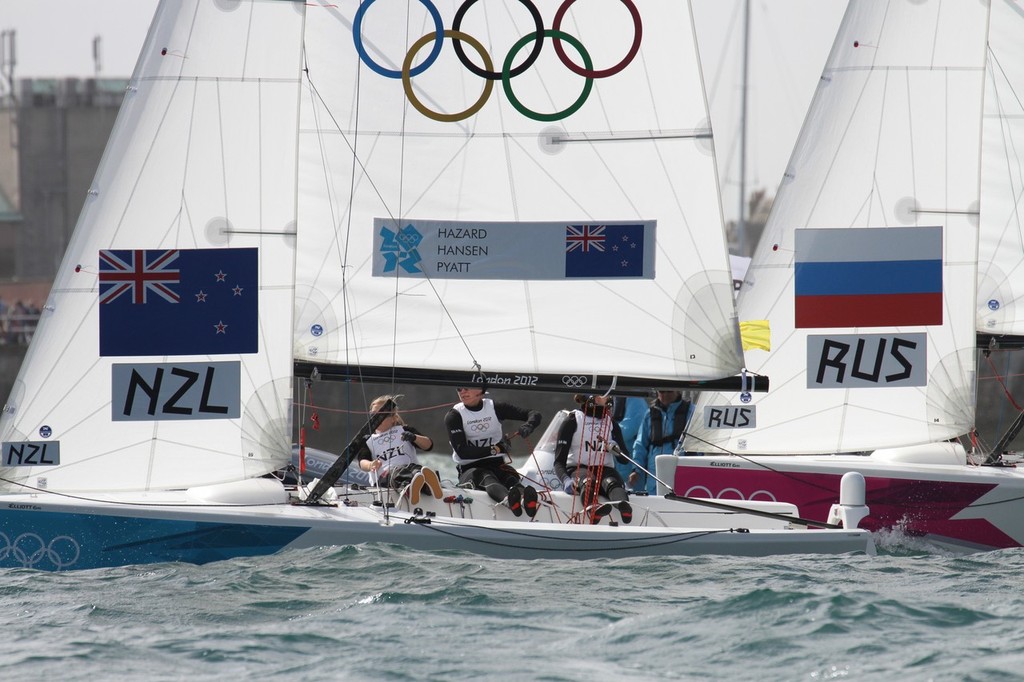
column 628, row 412
column 659, row 431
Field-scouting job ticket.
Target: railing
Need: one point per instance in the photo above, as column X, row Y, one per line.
column 17, row 326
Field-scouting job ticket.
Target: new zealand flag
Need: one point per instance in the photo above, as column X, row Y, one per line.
column 179, row 302
column 603, row 251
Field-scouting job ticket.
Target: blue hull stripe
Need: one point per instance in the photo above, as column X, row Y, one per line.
column 61, row 541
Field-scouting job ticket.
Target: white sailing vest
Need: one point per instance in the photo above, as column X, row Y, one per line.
column 482, row 428
column 389, row 448
column 585, row 448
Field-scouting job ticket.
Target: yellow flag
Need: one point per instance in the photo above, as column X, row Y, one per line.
column 756, row 334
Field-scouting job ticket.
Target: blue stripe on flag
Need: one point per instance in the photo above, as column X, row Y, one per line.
column 887, row 277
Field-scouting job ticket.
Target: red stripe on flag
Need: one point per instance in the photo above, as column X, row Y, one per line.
column 879, row 310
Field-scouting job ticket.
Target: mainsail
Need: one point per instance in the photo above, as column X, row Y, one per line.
column 522, row 190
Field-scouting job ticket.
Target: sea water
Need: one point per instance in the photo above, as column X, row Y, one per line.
column 379, row 612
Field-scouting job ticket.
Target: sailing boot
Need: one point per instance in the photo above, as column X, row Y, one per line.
column 515, row 501
column 598, row 512
column 530, row 501
column 626, row 512
column 415, row 487
column 433, row 482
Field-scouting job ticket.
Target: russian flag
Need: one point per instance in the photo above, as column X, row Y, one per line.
column 868, row 277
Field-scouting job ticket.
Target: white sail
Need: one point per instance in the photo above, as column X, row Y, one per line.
column 488, row 176
column 197, row 167
column 886, row 168
column 1001, row 243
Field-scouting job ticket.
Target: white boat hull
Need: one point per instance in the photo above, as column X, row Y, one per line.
column 55, row 532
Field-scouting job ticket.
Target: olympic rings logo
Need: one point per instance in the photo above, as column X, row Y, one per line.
column 28, row 549
column 574, row 381
column 479, row 426
column 488, row 73
column 731, row 494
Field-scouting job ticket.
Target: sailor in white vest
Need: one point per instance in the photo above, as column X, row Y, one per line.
column 480, row 447
column 390, row 453
column 589, row 443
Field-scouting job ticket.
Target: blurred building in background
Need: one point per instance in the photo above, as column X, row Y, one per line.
column 52, row 135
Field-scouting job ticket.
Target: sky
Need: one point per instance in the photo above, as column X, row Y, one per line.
column 790, row 40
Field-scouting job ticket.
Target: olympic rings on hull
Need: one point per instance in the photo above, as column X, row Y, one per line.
column 29, row 550
column 488, row 72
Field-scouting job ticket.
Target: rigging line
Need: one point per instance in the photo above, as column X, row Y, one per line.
column 1006, row 390
column 356, row 161
column 343, row 255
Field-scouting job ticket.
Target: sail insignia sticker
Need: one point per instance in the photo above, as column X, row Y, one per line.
column 31, row 453
column 868, row 277
column 730, row 417
column 176, row 391
column 443, row 249
column 867, row 360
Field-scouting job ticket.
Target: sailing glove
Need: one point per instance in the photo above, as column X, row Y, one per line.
column 409, row 436
column 525, row 430
column 567, row 485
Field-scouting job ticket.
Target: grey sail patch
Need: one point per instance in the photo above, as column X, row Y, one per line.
column 175, row 391
column 704, row 334
column 867, row 360
column 31, row 453
column 730, row 416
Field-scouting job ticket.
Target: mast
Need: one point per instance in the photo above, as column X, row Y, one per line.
column 741, row 223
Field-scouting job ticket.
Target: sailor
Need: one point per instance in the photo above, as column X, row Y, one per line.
column 628, row 412
column 390, row 452
column 584, row 460
column 479, row 448
column 660, row 428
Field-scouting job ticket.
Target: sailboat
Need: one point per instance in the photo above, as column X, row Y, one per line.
column 852, row 395
column 461, row 193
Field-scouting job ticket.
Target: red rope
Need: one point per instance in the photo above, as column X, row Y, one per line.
column 1002, row 383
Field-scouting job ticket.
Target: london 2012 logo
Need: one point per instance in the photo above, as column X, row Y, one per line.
column 509, row 66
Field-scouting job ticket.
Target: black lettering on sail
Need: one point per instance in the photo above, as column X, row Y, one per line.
column 897, row 345
column 171, row 406
column 728, row 417
column 153, row 391
column 204, row 404
column 856, row 372
column 836, row 361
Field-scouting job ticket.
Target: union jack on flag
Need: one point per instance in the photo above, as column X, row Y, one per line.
column 584, row 237
column 139, row 275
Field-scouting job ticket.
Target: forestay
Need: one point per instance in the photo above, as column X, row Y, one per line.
column 867, row 266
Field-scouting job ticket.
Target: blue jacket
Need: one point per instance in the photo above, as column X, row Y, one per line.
column 636, row 410
column 644, row 450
